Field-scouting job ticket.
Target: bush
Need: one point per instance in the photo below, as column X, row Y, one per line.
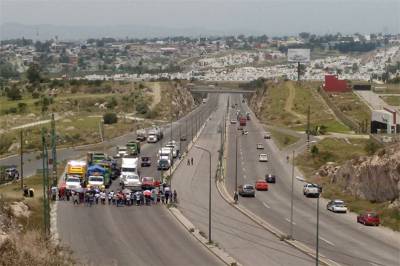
column 35, row 95
column 142, row 108
column 22, row 107
column 110, row 118
column 14, row 94
column 371, row 147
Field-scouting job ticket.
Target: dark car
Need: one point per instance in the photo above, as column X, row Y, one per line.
column 145, row 161
column 247, row 190
column 163, row 165
column 368, row 218
column 183, row 138
column 270, row 178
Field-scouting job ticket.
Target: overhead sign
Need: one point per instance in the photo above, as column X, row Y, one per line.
column 299, row 55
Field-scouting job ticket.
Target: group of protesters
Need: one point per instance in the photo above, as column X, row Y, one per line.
column 126, row 197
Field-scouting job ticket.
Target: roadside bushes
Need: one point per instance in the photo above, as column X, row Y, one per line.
column 110, row 118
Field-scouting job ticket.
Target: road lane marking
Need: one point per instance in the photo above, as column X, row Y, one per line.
column 266, row 205
column 288, row 220
column 327, row 241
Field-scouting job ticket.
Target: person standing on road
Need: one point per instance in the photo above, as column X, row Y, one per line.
column 103, row 197
column 75, row 198
column 154, row 195
column 137, row 195
column 175, row 197
column 188, row 161
column 191, row 159
column 235, row 197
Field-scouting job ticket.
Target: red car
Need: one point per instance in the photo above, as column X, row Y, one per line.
column 261, row 185
column 368, row 218
column 149, row 182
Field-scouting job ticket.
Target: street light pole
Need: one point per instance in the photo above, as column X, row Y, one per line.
column 209, row 194
column 317, row 244
column 291, row 200
column 236, row 163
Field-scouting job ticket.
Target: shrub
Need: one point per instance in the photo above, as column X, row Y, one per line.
column 110, row 118
column 371, row 147
column 22, row 107
column 14, row 94
column 142, row 108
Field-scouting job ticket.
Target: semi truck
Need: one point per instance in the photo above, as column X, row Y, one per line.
column 95, row 157
column 133, row 147
column 156, row 132
column 76, row 168
column 141, row 135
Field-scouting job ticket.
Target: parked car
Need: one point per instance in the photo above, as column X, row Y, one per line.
column 262, row 157
column 267, row 135
column 260, row 146
column 145, row 161
column 311, row 190
column 261, row 185
column 247, row 190
column 270, row 178
column 336, row 206
column 131, row 181
column 368, row 218
column 183, row 138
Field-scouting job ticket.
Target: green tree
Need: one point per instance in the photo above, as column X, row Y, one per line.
column 110, row 118
column 22, row 107
column 13, row 93
column 142, row 107
column 33, row 74
column 112, row 103
column 314, row 151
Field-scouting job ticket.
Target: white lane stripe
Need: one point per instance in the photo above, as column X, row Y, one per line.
column 327, row 241
column 288, row 220
column 266, row 205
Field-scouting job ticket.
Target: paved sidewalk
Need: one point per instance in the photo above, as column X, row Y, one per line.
column 243, row 239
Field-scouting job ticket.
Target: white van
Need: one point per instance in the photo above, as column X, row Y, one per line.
column 175, row 148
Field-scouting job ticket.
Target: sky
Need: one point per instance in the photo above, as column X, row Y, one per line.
column 271, row 17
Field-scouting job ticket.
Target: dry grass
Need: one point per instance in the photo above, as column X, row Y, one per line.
column 283, row 139
column 351, row 106
column 31, row 248
column 274, row 109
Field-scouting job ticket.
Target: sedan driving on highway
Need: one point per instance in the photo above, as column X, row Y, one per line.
column 267, row 135
column 233, row 121
column 262, row 157
column 260, row 146
column 368, row 218
column 247, row 190
column 261, row 185
column 269, row 178
column 336, row 206
column 145, row 161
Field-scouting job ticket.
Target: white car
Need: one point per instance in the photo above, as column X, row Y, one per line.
column 131, row 180
column 73, row 182
column 152, row 139
column 233, row 121
column 121, row 151
column 263, row 157
column 260, row 146
column 96, row 181
column 336, row 206
column 311, row 190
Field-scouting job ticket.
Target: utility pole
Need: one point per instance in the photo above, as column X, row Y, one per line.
column 22, row 158
column 54, row 149
column 298, row 71
column 308, row 129
column 46, row 206
column 291, row 200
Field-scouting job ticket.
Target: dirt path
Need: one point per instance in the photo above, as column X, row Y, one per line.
column 156, row 94
column 289, row 102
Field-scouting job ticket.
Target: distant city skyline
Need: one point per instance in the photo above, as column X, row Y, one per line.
column 209, row 17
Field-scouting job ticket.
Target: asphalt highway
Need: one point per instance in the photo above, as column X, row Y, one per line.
column 341, row 239
column 243, row 239
column 145, row 235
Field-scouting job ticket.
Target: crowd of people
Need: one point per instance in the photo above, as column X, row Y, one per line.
column 125, row 197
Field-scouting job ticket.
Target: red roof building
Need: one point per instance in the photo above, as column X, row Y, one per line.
column 333, row 84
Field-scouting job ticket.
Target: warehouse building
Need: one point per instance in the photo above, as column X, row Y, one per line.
column 384, row 121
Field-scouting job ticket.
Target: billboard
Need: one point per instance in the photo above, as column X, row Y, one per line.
column 298, row 55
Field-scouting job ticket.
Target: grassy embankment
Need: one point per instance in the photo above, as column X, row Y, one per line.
column 282, row 139
column 285, row 104
column 392, row 100
column 28, row 246
column 339, row 151
column 82, row 115
column 352, row 107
